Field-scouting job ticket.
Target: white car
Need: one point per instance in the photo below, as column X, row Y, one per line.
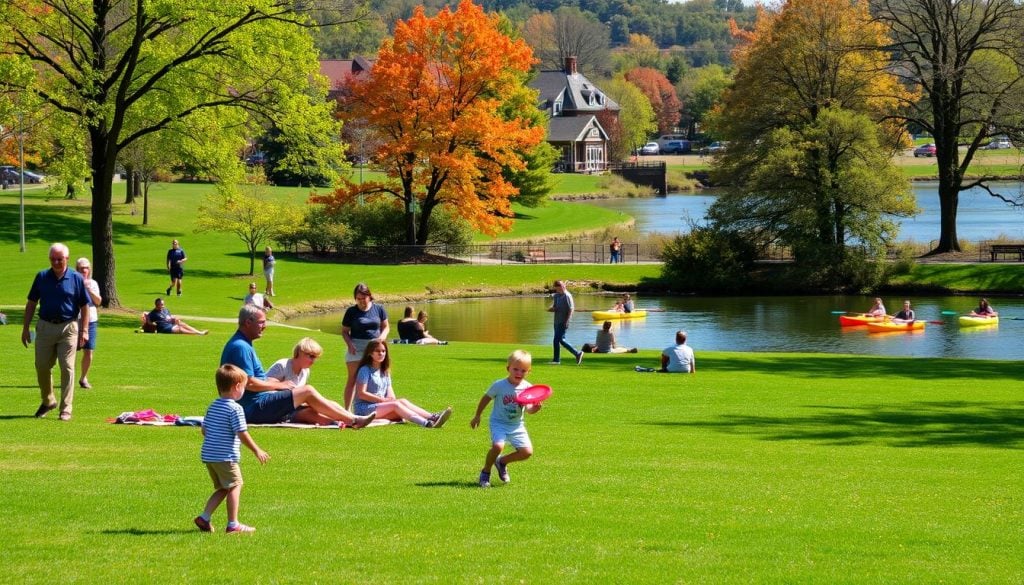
column 998, row 143
column 650, row 148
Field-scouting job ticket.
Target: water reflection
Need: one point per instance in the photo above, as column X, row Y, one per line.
column 793, row 324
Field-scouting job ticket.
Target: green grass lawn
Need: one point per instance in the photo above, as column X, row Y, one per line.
column 764, row 468
column 965, row 277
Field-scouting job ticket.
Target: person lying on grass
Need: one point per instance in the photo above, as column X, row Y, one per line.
column 160, row 320
column 376, row 395
column 506, row 422
column 223, row 429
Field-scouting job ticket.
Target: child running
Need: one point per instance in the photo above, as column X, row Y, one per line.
column 223, row 428
column 376, row 397
column 506, row 420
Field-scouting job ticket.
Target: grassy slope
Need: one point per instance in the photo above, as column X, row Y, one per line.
column 217, row 271
column 761, row 468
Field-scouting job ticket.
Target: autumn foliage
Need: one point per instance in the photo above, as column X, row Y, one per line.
column 661, row 94
column 433, row 103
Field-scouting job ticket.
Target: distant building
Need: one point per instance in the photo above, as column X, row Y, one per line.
column 572, row 101
column 568, row 97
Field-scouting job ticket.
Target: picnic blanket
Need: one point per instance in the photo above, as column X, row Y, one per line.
column 150, row 417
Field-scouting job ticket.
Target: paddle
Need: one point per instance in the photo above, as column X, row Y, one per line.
column 950, row 313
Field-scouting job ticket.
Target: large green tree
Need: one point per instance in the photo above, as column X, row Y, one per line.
column 123, row 69
column 967, row 58
column 808, row 165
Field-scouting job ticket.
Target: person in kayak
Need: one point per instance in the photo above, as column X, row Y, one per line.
column 878, row 310
column 905, row 315
column 984, row 310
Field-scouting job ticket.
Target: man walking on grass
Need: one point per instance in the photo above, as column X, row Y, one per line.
column 62, row 328
column 563, row 307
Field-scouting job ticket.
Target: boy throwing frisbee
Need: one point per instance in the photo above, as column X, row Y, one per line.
column 506, row 422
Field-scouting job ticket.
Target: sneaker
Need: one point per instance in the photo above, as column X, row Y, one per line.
column 240, row 528
column 44, row 408
column 179, row 293
column 485, row 479
column 643, row 369
column 84, row 384
column 502, row 470
column 442, row 418
column 168, row 293
column 203, row 524
column 442, row 343
column 362, row 421
column 65, row 416
column 579, row 358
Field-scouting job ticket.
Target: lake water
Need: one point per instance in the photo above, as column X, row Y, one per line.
column 792, row 324
column 980, row 215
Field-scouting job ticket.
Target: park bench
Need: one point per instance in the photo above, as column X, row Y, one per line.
column 1004, row 249
column 535, row 255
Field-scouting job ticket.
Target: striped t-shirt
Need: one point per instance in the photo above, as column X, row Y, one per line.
column 222, row 423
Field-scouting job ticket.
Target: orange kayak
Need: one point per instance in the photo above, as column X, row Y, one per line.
column 856, row 320
column 896, row 326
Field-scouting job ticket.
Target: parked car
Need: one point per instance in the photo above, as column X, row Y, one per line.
column 925, row 150
column 664, row 139
column 11, row 174
column 999, row 142
column 714, row 148
column 650, row 148
column 676, row 147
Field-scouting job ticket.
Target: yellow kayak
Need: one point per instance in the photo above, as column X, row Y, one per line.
column 977, row 321
column 896, row 326
column 608, row 315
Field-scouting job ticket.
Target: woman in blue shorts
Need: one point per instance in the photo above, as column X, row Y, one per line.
column 362, row 323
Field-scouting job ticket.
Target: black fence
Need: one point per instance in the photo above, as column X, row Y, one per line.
column 499, row 253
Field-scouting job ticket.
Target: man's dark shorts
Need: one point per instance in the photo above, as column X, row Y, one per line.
column 269, row 407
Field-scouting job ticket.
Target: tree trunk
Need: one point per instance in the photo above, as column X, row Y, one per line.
column 949, row 200
column 145, row 204
column 252, row 260
column 129, row 185
column 103, row 217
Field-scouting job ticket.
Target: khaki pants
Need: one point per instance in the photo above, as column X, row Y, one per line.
column 56, row 344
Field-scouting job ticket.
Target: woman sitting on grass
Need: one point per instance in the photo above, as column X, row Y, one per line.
column 374, row 393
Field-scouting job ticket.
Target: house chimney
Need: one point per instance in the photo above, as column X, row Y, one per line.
column 570, row 65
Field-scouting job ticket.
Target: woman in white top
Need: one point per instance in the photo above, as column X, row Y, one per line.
column 315, row 408
column 92, row 287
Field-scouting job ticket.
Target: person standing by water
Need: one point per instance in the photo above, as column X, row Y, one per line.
column 562, row 306
column 92, row 287
column 175, row 258
column 361, row 324
column 268, row 270
column 616, row 250
column 63, row 325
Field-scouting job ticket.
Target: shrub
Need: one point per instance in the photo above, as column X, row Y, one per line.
column 708, row 260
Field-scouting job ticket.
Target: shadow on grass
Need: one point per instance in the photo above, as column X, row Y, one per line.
column 196, row 273
column 919, row 424
column 453, row 483
column 147, row 532
column 844, row 366
column 64, row 221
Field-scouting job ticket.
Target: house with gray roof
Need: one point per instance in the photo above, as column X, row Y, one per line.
column 572, row 103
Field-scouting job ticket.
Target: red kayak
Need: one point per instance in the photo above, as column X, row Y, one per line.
column 855, row 320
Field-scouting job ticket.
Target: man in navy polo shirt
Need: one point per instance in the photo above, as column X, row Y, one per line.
column 62, row 327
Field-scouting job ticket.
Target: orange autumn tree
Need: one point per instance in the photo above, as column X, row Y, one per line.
column 433, row 101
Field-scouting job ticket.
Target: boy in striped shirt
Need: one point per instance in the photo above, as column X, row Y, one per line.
column 223, row 429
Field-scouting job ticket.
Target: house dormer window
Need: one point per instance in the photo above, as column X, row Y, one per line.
column 557, row 108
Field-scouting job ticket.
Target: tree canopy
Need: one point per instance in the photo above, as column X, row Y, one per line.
column 118, row 71
column 809, row 161
column 967, row 59
column 434, row 101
